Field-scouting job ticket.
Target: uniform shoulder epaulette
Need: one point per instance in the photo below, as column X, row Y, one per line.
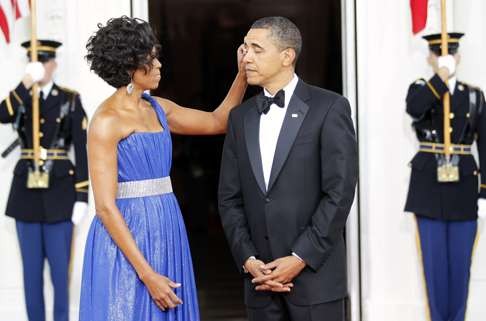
column 69, row 90
column 465, row 84
column 420, row 81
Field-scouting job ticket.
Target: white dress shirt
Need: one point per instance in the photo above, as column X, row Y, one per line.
column 270, row 126
column 46, row 89
column 452, row 84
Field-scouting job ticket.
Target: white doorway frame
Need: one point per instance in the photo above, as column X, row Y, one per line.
column 139, row 9
column 350, row 91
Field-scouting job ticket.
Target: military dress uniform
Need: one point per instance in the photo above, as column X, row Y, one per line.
column 446, row 212
column 43, row 216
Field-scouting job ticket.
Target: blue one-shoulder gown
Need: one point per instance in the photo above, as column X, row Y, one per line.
column 111, row 290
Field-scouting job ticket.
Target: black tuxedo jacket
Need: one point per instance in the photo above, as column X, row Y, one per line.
column 309, row 195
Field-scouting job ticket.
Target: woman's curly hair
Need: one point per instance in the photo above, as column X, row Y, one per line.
column 124, row 45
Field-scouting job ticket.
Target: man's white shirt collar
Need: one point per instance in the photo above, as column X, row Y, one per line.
column 46, row 89
column 288, row 89
column 270, row 126
column 452, row 84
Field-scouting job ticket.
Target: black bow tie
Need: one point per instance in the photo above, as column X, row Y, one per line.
column 264, row 102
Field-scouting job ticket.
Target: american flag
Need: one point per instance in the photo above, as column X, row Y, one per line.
column 419, row 14
column 11, row 11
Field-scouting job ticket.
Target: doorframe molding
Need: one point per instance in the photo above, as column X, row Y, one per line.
column 350, row 91
column 139, row 9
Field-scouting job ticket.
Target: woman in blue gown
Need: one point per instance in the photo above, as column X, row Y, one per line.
column 137, row 263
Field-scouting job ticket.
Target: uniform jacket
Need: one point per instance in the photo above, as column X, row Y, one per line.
column 62, row 126
column 426, row 196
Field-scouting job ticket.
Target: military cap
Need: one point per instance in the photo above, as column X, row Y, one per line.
column 46, row 49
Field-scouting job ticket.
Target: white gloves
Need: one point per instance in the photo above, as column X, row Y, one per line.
column 80, row 209
column 449, row 62
column 482, row 208
column 35, row 70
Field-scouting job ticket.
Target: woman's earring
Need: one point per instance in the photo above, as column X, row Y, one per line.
column 129, row 88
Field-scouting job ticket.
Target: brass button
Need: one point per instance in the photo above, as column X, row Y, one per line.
column 41, row 134
column 58, row 120
column 41, row 162
column 71, row 172
column 475, row 173
column 451, row 115
column 451, row 130
column 42, row 120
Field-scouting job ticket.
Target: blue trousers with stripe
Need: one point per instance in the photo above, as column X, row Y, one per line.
column 39, row 241
column 446, row 253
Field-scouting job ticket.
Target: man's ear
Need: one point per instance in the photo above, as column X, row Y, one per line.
column 431, row 59
column 458, row 58
column 289, row 57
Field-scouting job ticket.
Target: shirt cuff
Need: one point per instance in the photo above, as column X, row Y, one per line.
column 297, row 256
column 250, row 258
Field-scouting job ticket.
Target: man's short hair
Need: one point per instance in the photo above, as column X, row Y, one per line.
column 283, row 31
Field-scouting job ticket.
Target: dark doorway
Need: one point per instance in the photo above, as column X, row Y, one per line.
column 199, row 41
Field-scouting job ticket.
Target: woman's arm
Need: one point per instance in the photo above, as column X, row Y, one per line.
column 103, row 136
column 189, row 121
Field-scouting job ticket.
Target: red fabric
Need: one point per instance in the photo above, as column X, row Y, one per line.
column 10, row 11
column 4, row 24
column 419, row 15
column 21, row 8
column 15, row 6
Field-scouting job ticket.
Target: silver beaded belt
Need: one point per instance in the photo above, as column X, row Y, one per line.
column 144, row 188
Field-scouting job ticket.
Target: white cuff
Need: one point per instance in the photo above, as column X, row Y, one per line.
column 482, row 208
column 297, row 256
column 80, row 209
column 250, row 258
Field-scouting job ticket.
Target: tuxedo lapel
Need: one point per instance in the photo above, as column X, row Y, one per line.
column 294, row 117
column 252, row 138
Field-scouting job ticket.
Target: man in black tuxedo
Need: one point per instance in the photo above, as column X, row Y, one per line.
column 288, row 177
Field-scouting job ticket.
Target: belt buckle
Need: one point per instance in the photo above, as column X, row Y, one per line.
column 43, row 153
column 37, row 179
column 447, row 173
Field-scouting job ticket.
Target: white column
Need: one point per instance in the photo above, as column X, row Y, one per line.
column 389, row 59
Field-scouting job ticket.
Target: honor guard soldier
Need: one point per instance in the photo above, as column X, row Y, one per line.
column 46, row 206
column 444, row 191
